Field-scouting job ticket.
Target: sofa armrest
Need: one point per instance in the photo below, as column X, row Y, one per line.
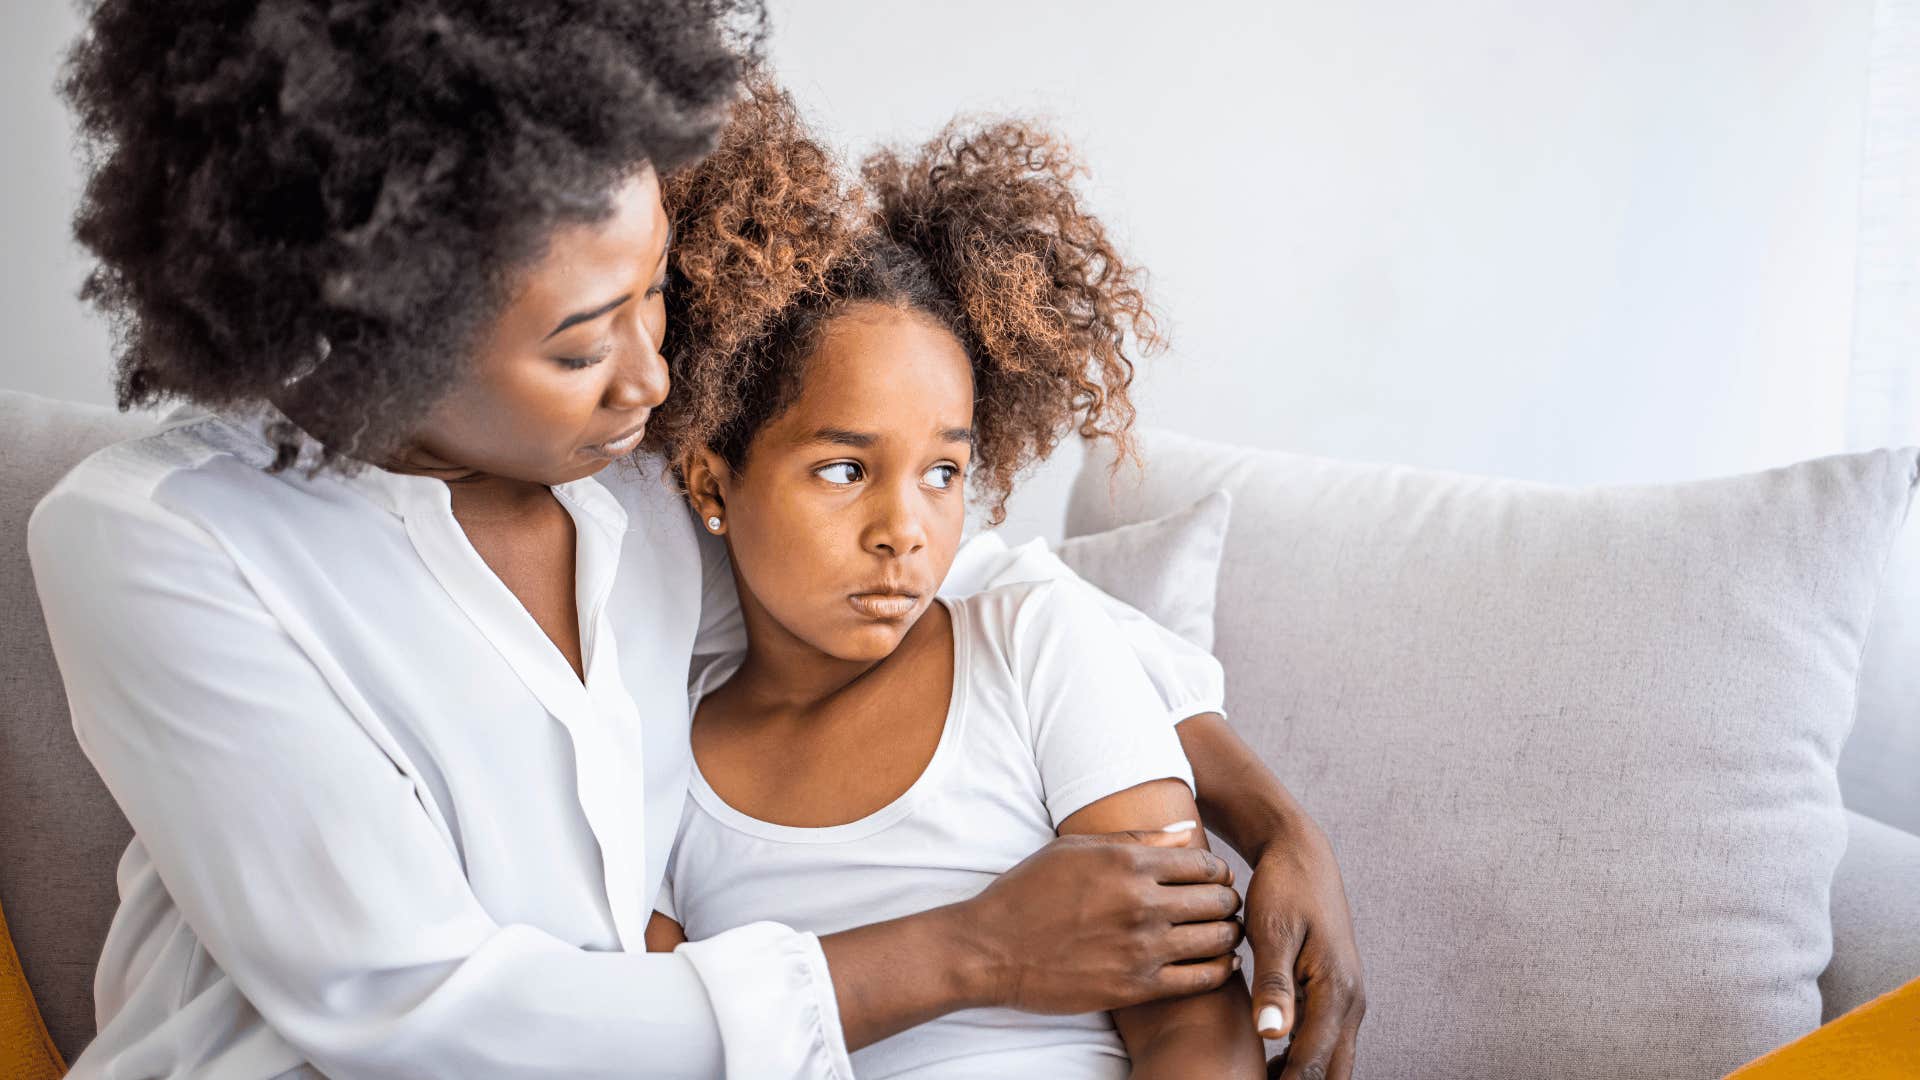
column 1876, row 916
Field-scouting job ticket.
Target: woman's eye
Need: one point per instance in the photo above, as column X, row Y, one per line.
column 840, row 472
column 941, row 476
column 659, row 289
column 575, row 363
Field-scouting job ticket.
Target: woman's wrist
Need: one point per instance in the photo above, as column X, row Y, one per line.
column 1239, row 798
column 978, row 975
column 901, row 973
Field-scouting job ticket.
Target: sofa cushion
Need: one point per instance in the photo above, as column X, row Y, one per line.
column 1575, row 748
column 1167, row 568
column 60, row 833
column 1880, row 769
column 1876, row 917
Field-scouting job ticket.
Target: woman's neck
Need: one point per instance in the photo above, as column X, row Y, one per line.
column 477, row 495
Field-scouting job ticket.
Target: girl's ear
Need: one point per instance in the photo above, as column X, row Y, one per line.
column 707, row 478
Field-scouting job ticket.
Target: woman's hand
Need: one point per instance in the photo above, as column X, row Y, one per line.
column 1305, row 961
column 1306, row 964
column 1098, row 922
column 1085, row 924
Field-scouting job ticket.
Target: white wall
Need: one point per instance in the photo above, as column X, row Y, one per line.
column 1574, row 241
column 50, row 343
column 1581, row 242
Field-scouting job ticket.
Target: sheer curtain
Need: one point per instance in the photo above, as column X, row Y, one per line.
column 1883, row 400
column 1880, row 769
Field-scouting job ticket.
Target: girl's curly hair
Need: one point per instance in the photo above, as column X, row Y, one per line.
column 981, row 229
column 317, row 204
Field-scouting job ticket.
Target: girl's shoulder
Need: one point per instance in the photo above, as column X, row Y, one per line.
column 1011, row 620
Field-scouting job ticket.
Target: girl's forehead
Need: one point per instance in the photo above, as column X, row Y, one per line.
column 887, row 365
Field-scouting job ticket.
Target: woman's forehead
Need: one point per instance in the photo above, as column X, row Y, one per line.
column 582, row 261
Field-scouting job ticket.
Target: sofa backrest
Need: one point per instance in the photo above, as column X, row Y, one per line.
column 60, row 833
column 1576, row 748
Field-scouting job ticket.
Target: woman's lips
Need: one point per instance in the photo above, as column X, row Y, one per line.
column 622, row 445
column 884, row 605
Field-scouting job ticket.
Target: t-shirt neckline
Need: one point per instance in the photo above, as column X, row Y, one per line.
column 710, row 801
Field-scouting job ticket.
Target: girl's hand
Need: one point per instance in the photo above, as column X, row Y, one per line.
column 1100, row 922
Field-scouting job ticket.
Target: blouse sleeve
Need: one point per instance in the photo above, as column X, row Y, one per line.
column 1187, row 680
column 308, row 865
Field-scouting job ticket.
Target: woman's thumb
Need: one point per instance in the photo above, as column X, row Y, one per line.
column 1274, row 952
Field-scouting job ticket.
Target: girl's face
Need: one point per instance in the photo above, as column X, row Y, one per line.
column 846, row 515
column 566, row 376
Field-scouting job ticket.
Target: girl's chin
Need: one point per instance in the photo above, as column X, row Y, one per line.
column 865, row 644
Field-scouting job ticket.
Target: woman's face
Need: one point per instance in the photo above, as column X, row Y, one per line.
column 564, row 379
column 846, row 515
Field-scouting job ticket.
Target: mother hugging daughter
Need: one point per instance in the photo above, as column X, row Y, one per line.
column 385, row 661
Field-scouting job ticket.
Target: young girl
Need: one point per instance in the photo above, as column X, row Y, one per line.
column 851, row 358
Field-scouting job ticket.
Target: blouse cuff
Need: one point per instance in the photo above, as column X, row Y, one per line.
column 775, row 1003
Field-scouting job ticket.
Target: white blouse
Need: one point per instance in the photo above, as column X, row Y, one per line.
column 339, row 739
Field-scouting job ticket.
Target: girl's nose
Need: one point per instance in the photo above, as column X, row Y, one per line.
column 898, row 529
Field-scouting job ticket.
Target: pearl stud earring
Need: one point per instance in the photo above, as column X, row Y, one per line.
column 713, row 524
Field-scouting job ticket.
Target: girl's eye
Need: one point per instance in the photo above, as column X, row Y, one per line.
column 659, row 289
column 840, row 472
column 941, row 476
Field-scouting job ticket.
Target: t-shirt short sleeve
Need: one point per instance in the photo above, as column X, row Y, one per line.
column 1096, row 722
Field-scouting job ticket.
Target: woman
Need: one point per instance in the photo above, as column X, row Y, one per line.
column 388, row 681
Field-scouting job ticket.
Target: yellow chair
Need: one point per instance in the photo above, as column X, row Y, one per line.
column 26, row 1050
column 1877, row 1041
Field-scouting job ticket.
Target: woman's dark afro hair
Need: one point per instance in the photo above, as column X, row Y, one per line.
column 317, row 204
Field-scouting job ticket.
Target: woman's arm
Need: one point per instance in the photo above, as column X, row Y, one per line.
column 1297, row 916
column 1085, row 924
column 1208, row 1034
column 307, row 863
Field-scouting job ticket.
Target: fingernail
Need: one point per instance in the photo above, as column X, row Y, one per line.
column 1182, row 826
column 1236, row 961
column 1271, row 1024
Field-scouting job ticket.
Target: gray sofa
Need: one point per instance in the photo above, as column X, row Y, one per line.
column 61, row 836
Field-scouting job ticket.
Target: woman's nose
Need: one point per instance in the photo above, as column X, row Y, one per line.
column 640, row 376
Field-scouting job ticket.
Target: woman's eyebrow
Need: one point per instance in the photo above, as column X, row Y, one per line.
column 958, row 434
column 579, row 317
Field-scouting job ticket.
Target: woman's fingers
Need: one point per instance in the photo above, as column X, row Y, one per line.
column 1180, row 980
column 1202, row 941
column 1181, row 865
column 1194, row 903
column 1313, row 1052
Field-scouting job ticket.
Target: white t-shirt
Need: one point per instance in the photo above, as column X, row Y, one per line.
column 1050, row 711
